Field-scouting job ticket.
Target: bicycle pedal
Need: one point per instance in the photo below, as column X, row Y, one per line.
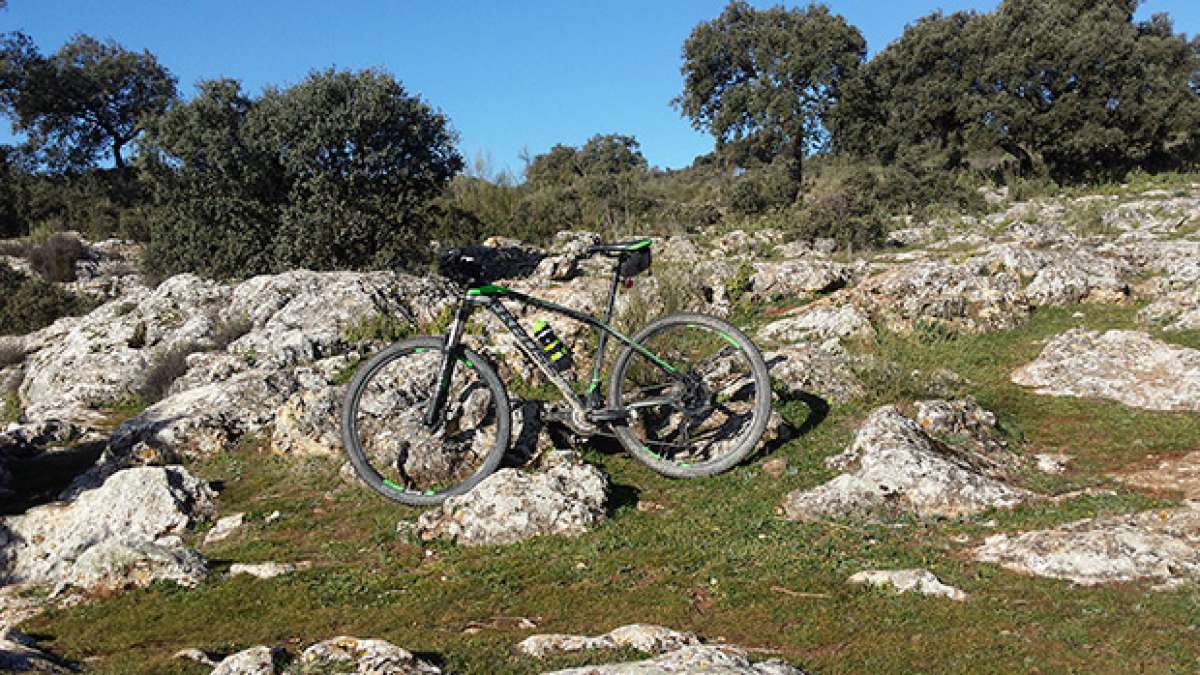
column 608, row 416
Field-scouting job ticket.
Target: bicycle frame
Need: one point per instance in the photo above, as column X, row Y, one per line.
column 490, row 296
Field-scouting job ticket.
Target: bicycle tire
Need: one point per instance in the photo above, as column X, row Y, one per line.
column 351, row 413
column 640, row 447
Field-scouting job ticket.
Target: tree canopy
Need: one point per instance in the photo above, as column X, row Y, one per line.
column 85, row 101
column 1073, row 88
column 332, row 173
column 761, row 81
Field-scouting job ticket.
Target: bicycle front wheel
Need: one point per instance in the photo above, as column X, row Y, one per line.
column 702, row 413
column 385, row 435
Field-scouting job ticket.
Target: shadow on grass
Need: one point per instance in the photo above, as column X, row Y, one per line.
column 620, row 496
column 817, row 410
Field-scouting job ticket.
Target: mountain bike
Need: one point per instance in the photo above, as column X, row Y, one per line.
column 427, row 418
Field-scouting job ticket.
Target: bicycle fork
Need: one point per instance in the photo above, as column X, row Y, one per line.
column 433, row 413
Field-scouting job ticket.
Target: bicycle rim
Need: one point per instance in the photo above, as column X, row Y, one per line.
column 401, row 457
column 710, row 413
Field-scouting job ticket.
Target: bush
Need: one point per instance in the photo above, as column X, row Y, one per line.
column 55, row 257
column 230, row 330
column 28, row 304
column 337, row 172
column 167, row 367
column 842, row 205
column 98, row 203
column 10, row 356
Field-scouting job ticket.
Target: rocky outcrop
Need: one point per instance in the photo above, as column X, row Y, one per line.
column 124, row 533
column 338, row 655
column 308, row 423
column 363, row 656
column 818, row 323
column 1063, row 275
column 792, row 278
column 1171, row 474
column 640, row 636
column 1162, row 546
column 710, row 660
column 106, row 356
column 1176, row 304
column 908, row 581
column 815, row 370
column 950, row 297
column 1121, row 365
column 258, row 660
column 511, row 505
column 895, row 466
column 678, row 652
column 253, row 330
column 267, row 570
column 207, row 419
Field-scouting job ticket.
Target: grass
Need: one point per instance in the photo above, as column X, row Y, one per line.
column 714, row 560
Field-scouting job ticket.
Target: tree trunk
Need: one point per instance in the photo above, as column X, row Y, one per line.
column 118, row 160
column 796, row 161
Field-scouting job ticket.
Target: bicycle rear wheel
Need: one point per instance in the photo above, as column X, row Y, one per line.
column 706, row 416
column 390, row 446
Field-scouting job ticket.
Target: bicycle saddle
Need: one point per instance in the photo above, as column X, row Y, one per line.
column 620, row 247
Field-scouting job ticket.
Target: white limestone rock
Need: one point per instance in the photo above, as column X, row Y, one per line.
column 123, row 533
column 895, row 467
column 908, row 581
column 1121, row 365
column 1162, row 546
column 512, row 505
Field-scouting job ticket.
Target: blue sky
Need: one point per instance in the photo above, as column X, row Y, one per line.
column 511, row 75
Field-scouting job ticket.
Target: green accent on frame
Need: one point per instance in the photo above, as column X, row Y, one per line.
column 725, row 336
column 490, row 289
column 729, row 338
column 394, row 486
column 467, row 363
column 650, row 355
column 643, row 351
column 538, row 325
column 639, row 245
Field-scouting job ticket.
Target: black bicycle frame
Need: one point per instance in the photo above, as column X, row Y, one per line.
column 490, row 297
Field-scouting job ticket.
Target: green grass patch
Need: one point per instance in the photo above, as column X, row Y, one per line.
column 717, row 559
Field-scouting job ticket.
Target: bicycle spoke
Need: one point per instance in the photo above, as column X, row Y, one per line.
column 715, row 395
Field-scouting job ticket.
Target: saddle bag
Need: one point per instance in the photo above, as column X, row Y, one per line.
column 634, row 263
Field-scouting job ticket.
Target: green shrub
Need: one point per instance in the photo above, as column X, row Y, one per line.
column 10, row 356
column 378, row 328
column 164, row 370
column 27, row 304
column 55, row 257
column 98, row 203
column 336, row 172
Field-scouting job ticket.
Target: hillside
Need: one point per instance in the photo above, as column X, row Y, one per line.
column 1004, row 406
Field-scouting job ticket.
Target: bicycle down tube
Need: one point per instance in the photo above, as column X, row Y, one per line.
column 489, row 296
